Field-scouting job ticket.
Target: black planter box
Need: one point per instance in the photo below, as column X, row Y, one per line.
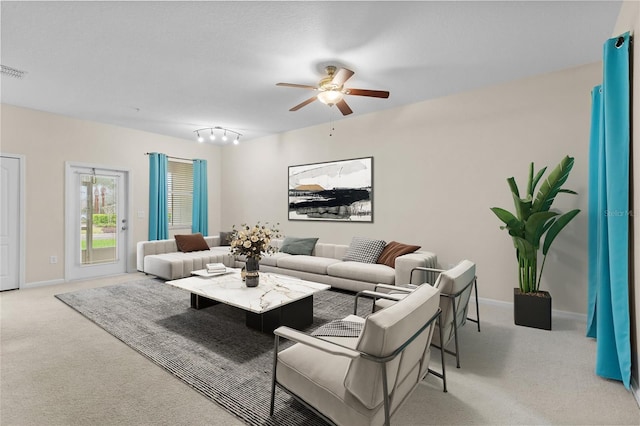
column 532, row 309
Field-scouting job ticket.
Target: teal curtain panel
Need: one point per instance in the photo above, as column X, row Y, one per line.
column 158, row 216
column 608, row 317
column 200, row 219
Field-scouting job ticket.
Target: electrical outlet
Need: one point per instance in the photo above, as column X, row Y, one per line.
column 140, row 214
column 53, row 259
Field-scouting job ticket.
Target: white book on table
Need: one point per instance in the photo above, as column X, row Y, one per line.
column 216, row 267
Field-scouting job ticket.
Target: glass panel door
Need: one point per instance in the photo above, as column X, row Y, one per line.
column 98, row 219
column 96, row 227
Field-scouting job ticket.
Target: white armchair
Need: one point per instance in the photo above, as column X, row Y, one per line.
column 360, row 378
column 456, row 285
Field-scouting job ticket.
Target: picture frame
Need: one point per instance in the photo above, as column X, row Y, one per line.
column 336, row 191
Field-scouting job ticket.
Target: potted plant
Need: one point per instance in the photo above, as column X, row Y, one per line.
column 532, row 220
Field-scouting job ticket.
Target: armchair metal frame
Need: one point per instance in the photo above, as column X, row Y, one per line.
column 453, row 297
column 341, row 350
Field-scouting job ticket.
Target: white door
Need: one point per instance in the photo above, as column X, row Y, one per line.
column 10, row 217
column 96, row 222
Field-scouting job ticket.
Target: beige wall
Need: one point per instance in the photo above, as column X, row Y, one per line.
column 629, row 20
column 47, row 141
column 438, row 167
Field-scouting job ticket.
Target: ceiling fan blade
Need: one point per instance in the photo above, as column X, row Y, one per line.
column 341, row 76
column 343, row 107
column 300, row 86
column 371, row 93
column 307, row 102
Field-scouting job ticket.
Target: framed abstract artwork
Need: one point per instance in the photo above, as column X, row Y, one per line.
column 334, row 191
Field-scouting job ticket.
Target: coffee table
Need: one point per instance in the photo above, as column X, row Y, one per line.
column 277, row 300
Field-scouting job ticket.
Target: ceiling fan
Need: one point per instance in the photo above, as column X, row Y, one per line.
column 331, row 90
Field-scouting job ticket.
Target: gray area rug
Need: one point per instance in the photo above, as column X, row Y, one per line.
column 210, row 349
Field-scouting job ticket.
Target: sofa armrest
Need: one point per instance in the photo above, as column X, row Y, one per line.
column 146, row 248
column 406, row 262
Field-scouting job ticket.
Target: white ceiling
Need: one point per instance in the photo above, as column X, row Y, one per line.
column 173, row 67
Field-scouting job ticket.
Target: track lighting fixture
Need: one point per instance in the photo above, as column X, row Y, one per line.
column 217, row 129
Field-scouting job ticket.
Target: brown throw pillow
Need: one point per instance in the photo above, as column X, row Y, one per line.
column 393, row 250
column 191, row 242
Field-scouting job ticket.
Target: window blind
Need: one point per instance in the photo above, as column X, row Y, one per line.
column 179, row 193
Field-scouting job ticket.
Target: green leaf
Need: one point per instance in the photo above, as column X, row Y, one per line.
column 525, row 249
column 552, row 185
column 555, row 229
column 530, row 182
column 535, row 227
column 523, row 207
column 568, row 191
column 537, row 179
column 513, row 186
column 512, row 223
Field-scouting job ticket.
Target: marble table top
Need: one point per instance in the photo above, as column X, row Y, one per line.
column 273, row 291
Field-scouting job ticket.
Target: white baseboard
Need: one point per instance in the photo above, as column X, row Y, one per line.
column 635, row 390
column 554, row 312
column 43, row 283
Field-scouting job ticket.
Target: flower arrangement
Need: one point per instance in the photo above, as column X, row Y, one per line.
column 253, row 241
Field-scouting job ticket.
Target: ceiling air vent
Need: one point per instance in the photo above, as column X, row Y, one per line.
column 12, row 72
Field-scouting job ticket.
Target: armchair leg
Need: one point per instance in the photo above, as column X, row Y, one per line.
column 475, row 286
column 444, row 372
column 273, row 378
column 442, row 375
column 455, row 334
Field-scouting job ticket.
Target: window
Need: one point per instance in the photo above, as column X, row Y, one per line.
column 179, row 193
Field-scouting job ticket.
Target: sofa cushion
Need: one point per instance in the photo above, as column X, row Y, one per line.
column 359, row 271
column 393, row 250
column 295, row 245
column 272, row 259
column 364, row 250
column 191, row 242
column 312, row 264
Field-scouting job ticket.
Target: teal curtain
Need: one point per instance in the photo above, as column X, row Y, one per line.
column 608, row 317
column 158, row 216
column 200, row 219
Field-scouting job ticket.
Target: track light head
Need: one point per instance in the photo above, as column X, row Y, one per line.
column 212, row 134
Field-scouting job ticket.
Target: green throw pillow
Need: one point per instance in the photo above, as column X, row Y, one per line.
column 294, row 245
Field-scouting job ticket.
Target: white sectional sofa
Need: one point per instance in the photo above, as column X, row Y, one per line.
column 163, row 259
column 325, row 265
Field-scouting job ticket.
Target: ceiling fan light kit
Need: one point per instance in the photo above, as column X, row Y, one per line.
column 330, row 97
column 212, row 135
column 331, row 90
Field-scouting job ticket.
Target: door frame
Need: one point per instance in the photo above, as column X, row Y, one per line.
column 69, row 222
column 22, row 163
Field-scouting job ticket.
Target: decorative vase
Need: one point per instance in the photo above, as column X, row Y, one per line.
column 252, row 276
column 532, row 309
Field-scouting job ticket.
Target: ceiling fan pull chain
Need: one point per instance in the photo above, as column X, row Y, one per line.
column 331, row 126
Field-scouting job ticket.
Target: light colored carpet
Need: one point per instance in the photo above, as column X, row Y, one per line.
column 212, row 350
column 58, row 368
